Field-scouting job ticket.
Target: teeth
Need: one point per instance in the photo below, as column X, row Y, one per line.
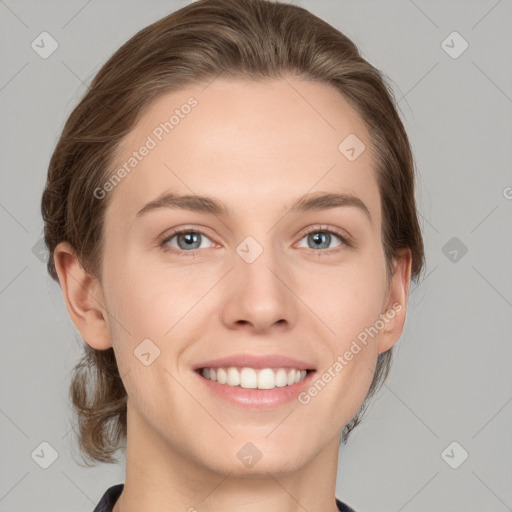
column 249, row 378
column 233, row 377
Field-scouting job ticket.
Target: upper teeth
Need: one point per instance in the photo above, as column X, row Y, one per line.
column 266, row 378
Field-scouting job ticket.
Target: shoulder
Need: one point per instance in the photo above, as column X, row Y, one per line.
column 343, row 507
column 108, row 500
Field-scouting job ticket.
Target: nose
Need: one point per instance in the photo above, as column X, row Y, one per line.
column 259, row 295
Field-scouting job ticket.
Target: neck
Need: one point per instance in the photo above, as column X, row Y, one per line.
column 161, row 478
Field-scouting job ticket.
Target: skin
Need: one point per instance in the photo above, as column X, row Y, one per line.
column 256, row 147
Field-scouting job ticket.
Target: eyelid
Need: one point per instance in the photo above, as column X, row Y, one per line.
column 169, row 233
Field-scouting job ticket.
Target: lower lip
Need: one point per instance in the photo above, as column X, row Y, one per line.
column 261, row 399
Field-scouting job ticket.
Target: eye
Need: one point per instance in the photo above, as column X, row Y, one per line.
column 321, row 238
column 185, row 241
column 188, row 241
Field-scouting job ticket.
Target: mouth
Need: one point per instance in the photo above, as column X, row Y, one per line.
column 255, row 381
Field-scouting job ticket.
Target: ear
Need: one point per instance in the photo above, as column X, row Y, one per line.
column 83, row 296
column 397, row 297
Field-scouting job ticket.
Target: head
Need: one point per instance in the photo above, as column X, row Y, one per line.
column 262, row 96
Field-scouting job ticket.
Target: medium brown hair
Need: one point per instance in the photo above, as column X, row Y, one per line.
column 238, row 39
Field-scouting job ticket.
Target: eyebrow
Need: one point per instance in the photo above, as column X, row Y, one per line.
column 204, row 204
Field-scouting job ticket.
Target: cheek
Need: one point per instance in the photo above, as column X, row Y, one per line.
column 350, row 300
column 150, row 300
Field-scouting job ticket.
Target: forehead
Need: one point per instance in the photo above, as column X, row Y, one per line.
column 248, row 143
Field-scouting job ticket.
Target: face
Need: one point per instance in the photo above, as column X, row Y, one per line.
column 252, row 275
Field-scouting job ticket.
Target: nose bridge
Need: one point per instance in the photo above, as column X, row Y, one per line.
column 257, row 292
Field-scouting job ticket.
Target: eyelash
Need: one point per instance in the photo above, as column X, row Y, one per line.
column 319, row 229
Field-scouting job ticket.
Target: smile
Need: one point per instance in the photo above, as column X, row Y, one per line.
column 257, row 389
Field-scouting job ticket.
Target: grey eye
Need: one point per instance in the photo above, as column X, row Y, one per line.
column 320, row 239
column 188, row 240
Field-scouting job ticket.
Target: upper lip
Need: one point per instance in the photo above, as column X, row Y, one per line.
column 256, row 361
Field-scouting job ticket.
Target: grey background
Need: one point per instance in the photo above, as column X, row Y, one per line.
column 451, row 379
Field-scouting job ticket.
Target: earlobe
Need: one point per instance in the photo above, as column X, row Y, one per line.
column 397, row 303
column 83, row 296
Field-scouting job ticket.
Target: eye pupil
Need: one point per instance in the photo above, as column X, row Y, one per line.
column 320, row 238
column 190, row 239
